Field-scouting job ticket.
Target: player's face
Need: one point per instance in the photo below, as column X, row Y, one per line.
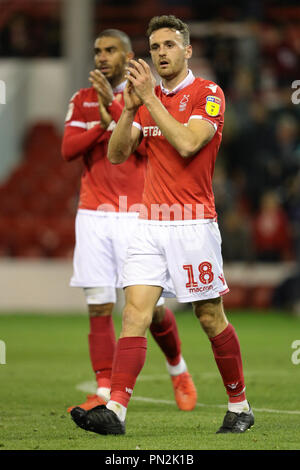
column 168, row 53
column 110, row 57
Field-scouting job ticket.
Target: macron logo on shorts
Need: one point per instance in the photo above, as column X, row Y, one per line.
column 128, row 390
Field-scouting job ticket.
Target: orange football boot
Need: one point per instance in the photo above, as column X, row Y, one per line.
column 91, row 402
column 185, row 391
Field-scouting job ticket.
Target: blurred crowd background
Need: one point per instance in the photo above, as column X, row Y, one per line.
column 251, row 49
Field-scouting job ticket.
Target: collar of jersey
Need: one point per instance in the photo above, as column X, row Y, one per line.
column 120, row 87
column 187, row 81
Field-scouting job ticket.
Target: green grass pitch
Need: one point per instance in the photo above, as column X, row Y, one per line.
column 47, row 369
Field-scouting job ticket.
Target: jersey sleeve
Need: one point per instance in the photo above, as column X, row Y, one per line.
column 137, row 121
column 115, row 109
column 78, row 138
column 209, row 104
column 74, row 116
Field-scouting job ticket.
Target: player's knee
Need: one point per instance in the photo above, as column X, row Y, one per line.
column 204, row 307
column 209, row 313
column 100, row 310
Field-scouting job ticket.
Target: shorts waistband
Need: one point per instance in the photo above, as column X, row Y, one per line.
column 117, row 215
column 176, row 222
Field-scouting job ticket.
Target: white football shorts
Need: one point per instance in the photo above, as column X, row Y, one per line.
column 102, row 240
column 183, row 258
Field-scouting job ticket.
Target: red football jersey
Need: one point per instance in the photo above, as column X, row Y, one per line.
column 176, row 187
column 102, row 183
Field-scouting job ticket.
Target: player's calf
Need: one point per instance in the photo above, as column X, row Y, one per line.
column 135, row 322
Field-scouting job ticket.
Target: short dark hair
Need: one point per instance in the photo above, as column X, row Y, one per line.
column 116, row 33
column 169, row 21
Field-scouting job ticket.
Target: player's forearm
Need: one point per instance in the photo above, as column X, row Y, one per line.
column 179, row 136
column 77, row 142
column 120, row 144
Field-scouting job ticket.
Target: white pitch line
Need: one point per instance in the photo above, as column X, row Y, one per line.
column 209, row 375
column 90, row 387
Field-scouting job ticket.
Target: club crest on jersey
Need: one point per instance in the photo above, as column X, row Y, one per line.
column 183, row 102
column 213, row 105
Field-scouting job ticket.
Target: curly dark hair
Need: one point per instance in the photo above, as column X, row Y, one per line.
column 169, row 21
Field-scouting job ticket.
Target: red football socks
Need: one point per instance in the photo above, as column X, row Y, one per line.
column 226, row 349
column 166, row 335
column 102, row 344
column 129, row 359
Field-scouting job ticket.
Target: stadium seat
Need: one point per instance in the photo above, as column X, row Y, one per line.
column 261, row 297
column 38, row 201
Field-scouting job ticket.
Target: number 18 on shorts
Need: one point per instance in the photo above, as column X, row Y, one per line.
column 185, row 260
